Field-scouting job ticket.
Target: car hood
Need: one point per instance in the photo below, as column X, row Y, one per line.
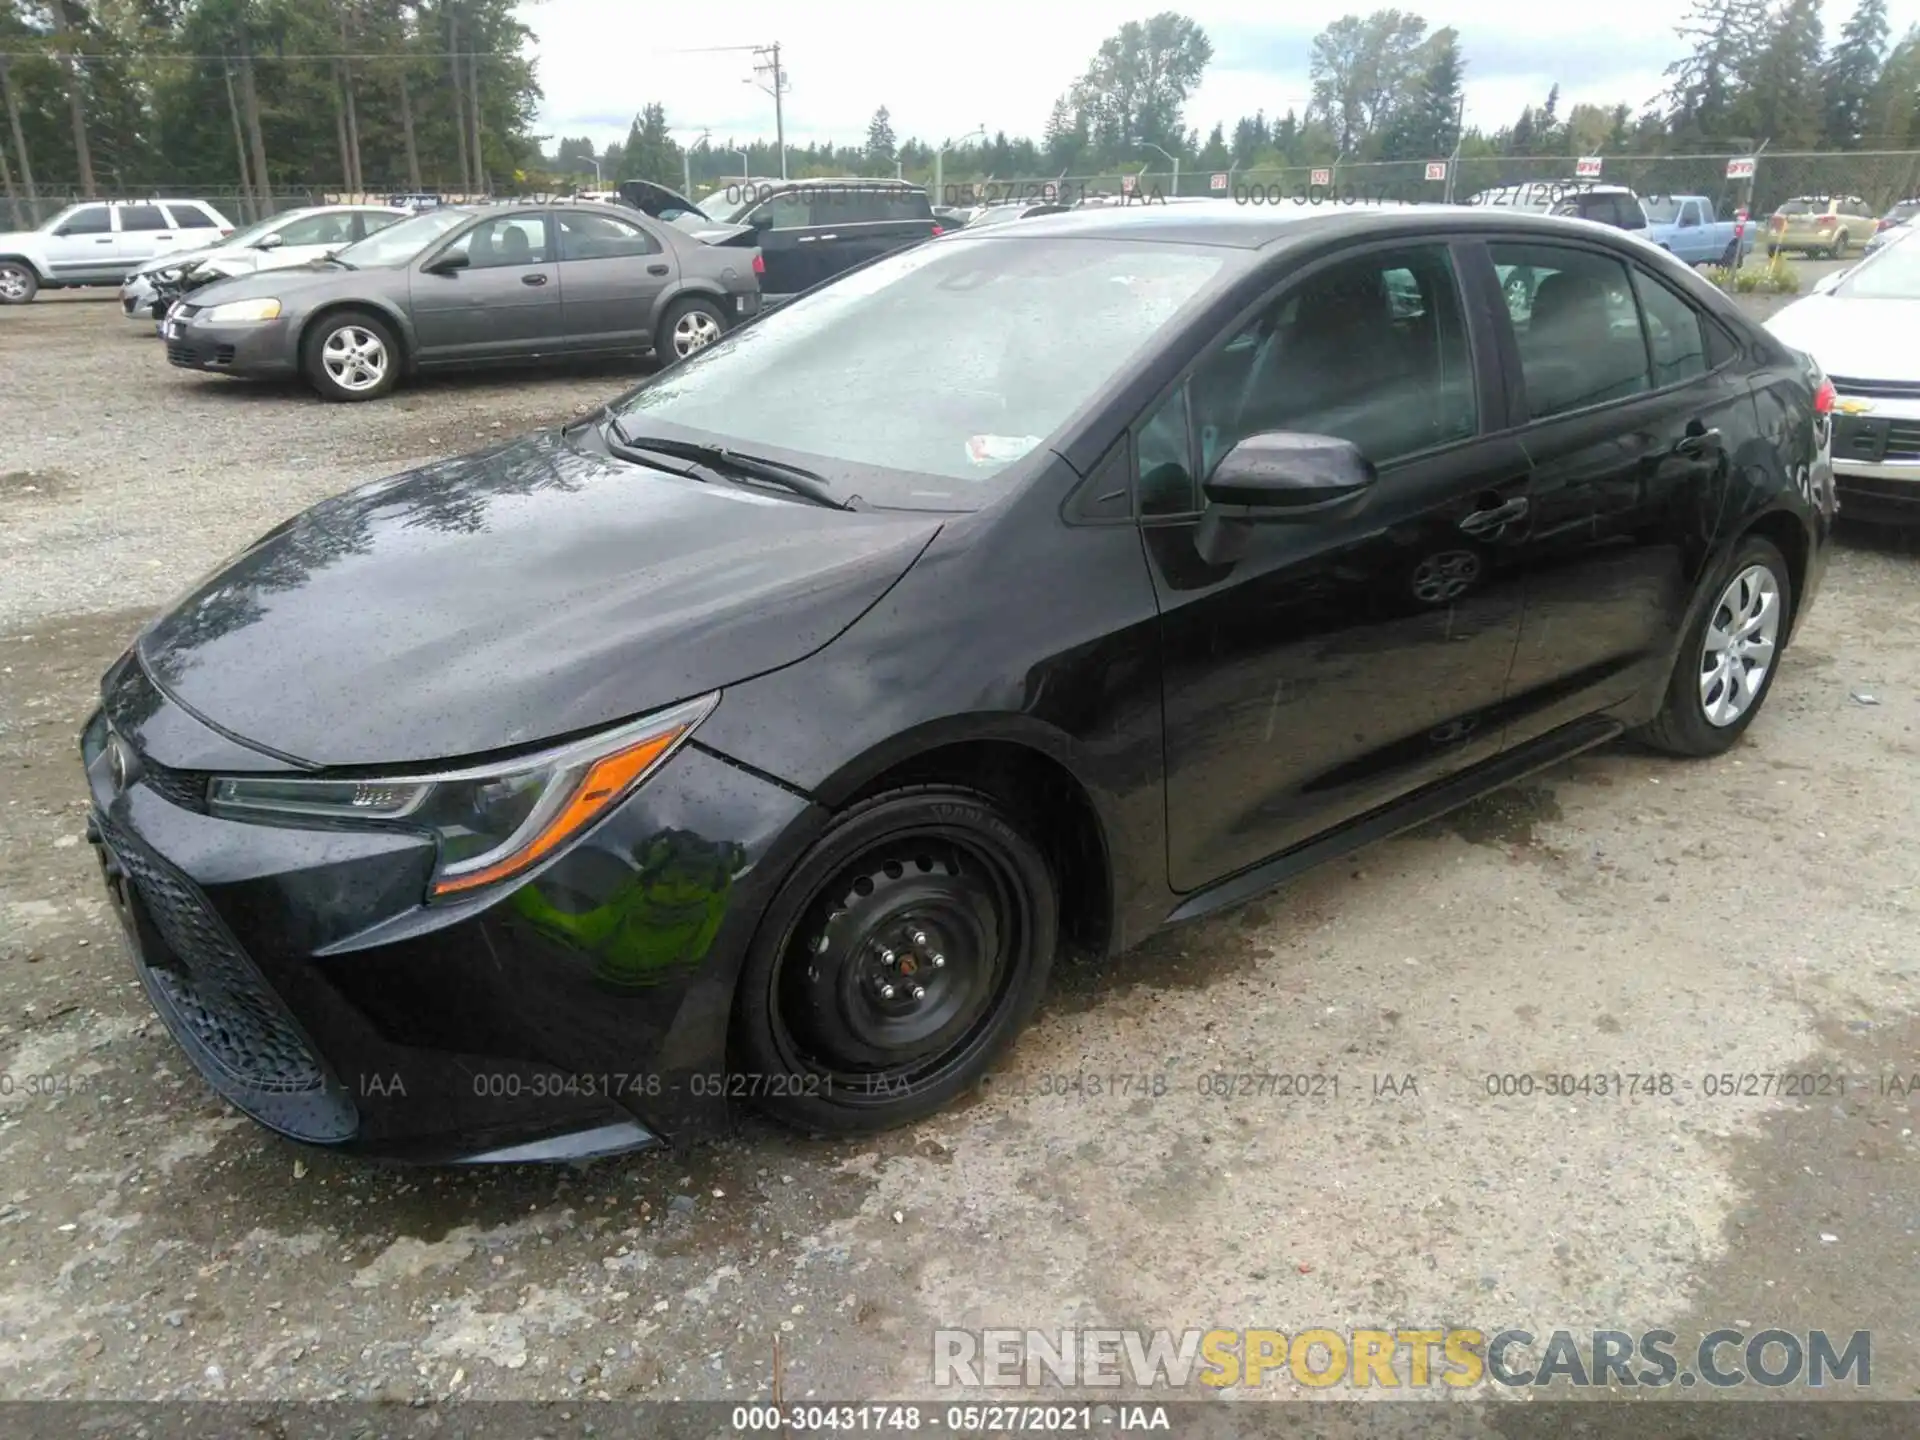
column 177, row 258
column 282, row 282
column 530, row 591
column 1856, row 339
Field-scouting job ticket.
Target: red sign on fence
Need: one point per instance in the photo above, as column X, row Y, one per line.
column 1587, row 167
column 1219, row 180
column 1436, row 169
column 1321, row 177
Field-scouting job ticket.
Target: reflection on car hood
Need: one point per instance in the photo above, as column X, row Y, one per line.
column 288, row 280
column 1855, row 338
column 511, row 596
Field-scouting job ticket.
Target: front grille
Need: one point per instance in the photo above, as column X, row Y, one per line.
column 1877, row 389
column 185, row 788
column 182, row 352
column 1862, row 438
column 218, row 999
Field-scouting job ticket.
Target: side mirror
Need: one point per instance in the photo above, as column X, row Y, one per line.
column 448, row 264
column 270, row 242
column 1279, row 477
column 1832, row 278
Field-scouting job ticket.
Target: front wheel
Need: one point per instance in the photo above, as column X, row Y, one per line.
column 350, row 355
column 1729, row 655
column 688, row 326
column 18, row 283
column 903, row 954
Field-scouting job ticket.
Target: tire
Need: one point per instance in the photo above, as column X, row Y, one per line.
column 1839, row 250
column 1730, row 256
column 844, row 1040
column 19, row 283
column 1684, row 725
column 347, row 333
column 688, row 326
column 1772, row 250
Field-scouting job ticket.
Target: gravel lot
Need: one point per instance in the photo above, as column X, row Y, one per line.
column 1755, row 913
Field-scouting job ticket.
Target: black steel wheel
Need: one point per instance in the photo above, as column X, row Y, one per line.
column 906, row 950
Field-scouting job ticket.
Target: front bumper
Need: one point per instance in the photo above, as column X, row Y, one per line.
column 1876, row 464
column 263, row 350
column 584, row 1012
column 138, row 298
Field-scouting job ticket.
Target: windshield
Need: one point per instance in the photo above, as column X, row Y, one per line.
column 1892, row 274
column 948, row 361
column 1663, row 211
column 402, row 240
column 1806, row 205
column 729, row 202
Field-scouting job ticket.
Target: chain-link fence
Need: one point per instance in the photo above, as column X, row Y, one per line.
column 1878, row 177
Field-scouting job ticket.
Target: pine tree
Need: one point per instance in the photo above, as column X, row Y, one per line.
column 880, row 142
column 1726, row 36
column 1781, row 100
column 1852, row 71
column 1251, row 135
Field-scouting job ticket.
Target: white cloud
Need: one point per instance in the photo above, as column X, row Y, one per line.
column 1001, row 64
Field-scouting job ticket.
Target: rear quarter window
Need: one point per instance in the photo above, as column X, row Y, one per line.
column 190, row 217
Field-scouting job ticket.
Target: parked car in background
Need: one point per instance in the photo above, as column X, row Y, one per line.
column 98, row 242
column 785, row 718
column 1860, row 325
column 955, row 217
column 1900, row 218
column 1613, row 205
column 291, row 238
column 466, row 285
column 1820, row 225
column 990, row 215
column 809, row 231
column 1687, row 226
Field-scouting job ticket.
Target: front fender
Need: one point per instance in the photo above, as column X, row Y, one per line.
column 395, row 315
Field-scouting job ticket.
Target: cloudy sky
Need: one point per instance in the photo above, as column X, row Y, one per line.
column 942, row 72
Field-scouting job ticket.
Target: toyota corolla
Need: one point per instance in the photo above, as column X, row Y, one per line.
column 761, row 737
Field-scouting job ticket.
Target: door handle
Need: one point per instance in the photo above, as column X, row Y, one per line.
column 657, row 269
column 104, row 240
column 163, row 237
column 1494, row 517
column 534, row 279
column 1698, row 440
column 806, row 239
column 829, row 237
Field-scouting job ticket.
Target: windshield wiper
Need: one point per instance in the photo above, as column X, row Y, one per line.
column 719, row 457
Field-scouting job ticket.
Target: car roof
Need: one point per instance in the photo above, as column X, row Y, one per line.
column 874, row 182
column 1231, row 224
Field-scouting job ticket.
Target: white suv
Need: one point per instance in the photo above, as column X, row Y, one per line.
column 98, row 241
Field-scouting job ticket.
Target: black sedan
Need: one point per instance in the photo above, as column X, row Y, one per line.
column 467, row 285
column 762, row 737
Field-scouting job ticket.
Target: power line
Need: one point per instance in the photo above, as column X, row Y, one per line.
column 146, row 56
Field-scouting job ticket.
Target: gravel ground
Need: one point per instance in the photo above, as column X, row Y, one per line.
column 1755, row 913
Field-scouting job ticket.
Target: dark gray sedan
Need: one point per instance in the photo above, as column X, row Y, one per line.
column 470, row 285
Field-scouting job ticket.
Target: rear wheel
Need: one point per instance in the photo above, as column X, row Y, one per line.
column 1727, row 661
column 18, row 282
column 688, row 326
column 905, row 951
column 1840, row 246
column 350, row 355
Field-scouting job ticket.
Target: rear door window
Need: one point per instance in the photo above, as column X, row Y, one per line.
column 1577, row 324
column 190, row 217
column 789, row 210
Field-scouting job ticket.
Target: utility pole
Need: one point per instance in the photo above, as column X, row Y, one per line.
column 770, row 66
column 1459, row 138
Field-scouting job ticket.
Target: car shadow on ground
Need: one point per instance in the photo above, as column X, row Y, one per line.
column 623, row 370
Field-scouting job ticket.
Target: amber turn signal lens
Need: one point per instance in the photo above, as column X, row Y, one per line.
column 604, row 783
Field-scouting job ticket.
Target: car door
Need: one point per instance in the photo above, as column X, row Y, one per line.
column 84, row 246
column 1687, row 232
column 612, row 273
column 1632, row 410
column 504, row 301
column 140, row 233
column 1339, row 662
column 788, row 242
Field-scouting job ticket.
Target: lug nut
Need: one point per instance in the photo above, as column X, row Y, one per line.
column 820, row 946
column 886, row 992
column 920, row 938
column 938, row 960
column 919, row 992
column 886, row 958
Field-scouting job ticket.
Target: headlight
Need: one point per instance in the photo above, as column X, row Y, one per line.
column 238, row 310
column 493, row 822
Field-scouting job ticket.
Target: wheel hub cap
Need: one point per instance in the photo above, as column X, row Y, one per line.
column 1738, row 649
